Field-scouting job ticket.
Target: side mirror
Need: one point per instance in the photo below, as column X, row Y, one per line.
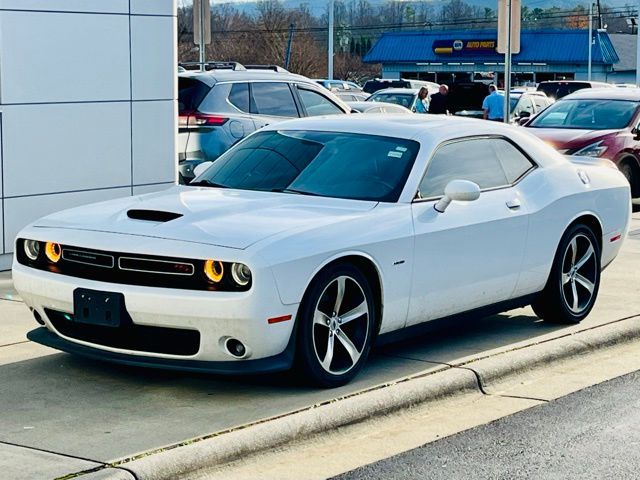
column 636, row 133
column 459, row 190
column 201, row 167
column 525, row 114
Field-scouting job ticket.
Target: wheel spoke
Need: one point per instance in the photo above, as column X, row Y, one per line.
column 574, row 250
column 357, row 312
column 339, row 294
column 585, row 257
column 585, row 282
column 574, row 292
column 326, row 363
column 320, row 318
column 348, row 345
column 566, row 278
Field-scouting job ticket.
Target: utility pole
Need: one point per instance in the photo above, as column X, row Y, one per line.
column 202, row 28
column 508, row 44
column 638, row 47
column 507, row 68
column 287, row 56
column 330, row 55
column 590, row 45
column 599, row 15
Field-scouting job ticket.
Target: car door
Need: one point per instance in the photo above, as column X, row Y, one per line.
column 470, row 255
column 271, row 102
column 314, row 103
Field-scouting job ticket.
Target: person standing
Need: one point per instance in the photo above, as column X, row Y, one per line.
column 439, row 103
column 493, row 105
column 421, row 101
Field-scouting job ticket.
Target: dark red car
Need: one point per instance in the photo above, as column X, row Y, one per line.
column 596, row 123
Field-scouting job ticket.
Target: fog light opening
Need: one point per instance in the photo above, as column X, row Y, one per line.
column 235, row 348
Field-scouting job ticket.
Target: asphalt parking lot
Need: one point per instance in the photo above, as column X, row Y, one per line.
column 96, row 412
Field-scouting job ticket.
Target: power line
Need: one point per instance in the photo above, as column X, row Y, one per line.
column 619, row 12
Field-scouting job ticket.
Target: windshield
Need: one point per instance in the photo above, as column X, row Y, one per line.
column 404, row 99
column 328, row 164
column 589, row 114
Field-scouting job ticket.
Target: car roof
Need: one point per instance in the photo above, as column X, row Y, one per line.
column 400, row 126
column 546, row 82
column 398, row 90
column 428, row 129
column 212, row 77
column 367, row 105
column 632, row 94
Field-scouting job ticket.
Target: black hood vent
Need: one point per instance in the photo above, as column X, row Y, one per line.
column 153, row 215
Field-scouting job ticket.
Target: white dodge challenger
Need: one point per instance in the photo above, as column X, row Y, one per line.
column 309, row 240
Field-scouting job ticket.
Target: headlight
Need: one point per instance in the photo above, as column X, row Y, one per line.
column 53, row 251
column 241, row 274
column 214, row 270
column 593, row 150
column 31, row 249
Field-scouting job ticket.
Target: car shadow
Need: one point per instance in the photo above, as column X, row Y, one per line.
column 116, row 410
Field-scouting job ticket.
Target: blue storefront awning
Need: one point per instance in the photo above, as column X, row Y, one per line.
column 539, row 46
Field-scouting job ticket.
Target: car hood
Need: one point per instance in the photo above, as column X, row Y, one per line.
column 570, row 138
column 223, row 217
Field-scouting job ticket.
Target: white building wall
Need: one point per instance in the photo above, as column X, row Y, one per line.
column 87, row 105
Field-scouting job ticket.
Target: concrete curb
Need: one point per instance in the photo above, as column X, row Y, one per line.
column 207, row 453
column 509, row 363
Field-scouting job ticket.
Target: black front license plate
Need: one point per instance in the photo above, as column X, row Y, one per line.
column 98, row 308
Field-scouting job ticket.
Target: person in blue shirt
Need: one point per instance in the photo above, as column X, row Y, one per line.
column 421, row 102
column 493, row 105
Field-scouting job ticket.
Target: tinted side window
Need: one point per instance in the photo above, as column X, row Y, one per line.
column 472, row 159
column 513, row 161
column 316, row 104
column 239, row 96
column 273, row 98
column 190, row 94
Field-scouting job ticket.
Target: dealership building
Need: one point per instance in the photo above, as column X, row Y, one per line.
column 88, row 107
column 448, row 56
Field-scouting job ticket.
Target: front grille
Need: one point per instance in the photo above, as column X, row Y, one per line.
column 131, row 269
column 128, row 336
column 155, row 266
column 88, row 258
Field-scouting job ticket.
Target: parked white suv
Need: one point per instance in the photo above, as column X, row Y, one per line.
column 219, row 107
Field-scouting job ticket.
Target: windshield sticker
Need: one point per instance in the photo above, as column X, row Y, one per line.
column 401, row 149
column 394, row 154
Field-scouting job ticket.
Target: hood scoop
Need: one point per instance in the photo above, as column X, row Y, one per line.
column 152, row 215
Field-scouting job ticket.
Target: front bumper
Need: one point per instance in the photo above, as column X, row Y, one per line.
column 276, row 363
column 216, row 316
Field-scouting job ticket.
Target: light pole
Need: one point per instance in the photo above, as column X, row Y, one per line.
column 330, row 54
column 589, row 45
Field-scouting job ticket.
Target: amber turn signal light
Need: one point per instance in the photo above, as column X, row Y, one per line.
column 53, row 251
column 214, row 270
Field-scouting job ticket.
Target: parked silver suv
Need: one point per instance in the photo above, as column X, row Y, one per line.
column 219, row 107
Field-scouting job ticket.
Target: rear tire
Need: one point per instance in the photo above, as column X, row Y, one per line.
column 631, row 174
column 572, row 287
column 336, row 326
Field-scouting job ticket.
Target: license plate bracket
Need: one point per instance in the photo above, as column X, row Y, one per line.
column 94, row 307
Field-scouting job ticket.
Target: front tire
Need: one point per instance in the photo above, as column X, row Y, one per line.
column 572, row 287
column 336, row 327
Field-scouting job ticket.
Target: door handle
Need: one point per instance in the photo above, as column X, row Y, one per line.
column 513, row 204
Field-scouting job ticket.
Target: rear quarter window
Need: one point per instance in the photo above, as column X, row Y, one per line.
column 191, row 92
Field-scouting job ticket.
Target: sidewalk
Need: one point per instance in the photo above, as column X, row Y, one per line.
column 63, row 415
